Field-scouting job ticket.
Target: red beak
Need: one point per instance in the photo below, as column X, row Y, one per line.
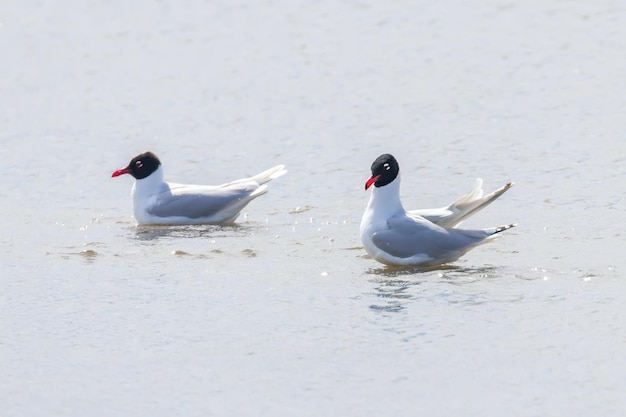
column 120, row 172
column 371, row 181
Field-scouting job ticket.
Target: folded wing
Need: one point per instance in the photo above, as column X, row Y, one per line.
column 410, row 236
column 196, row 202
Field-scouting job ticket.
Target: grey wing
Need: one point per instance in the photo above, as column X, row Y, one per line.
column 409, row 236
column 196, row 204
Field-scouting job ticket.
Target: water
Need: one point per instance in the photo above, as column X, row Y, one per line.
column 284, row 314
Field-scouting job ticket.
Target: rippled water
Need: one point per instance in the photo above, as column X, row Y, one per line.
column 284, row 314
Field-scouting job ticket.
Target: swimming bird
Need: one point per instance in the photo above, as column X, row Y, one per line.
column 156, row 201
column 394, row 236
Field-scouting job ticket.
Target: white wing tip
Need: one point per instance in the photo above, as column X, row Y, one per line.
column 280, row 171
column 270, row 174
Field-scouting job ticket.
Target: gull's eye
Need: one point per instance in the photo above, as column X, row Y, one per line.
column 386, row 167
column 138, row 164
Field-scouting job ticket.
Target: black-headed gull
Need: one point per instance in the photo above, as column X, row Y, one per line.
column 394, row 236
column 158, row 202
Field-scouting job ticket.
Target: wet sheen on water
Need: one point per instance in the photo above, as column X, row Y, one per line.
column 284, row 314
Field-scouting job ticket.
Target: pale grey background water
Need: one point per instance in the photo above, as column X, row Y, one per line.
column 284, row 315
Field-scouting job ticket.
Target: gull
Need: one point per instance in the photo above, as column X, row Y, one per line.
column 156, row 201
column 427, row 237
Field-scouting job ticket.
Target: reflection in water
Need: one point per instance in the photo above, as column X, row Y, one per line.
column 394, row 286
column 87, row 255
column 460, row 276
column 395, row 271
column 394, row 294
column 149, row 233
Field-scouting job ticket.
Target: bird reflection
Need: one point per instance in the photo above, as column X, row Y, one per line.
column 394, row 293
column 395, row 286
column 150, row 233
column 396, row 271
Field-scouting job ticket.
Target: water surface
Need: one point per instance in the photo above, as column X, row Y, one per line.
column 284, row 314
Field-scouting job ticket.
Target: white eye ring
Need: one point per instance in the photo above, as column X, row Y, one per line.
column 138, row 164
column 386, row 166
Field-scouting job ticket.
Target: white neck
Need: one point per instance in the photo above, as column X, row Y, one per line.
column 148, row 186
column 385, row 200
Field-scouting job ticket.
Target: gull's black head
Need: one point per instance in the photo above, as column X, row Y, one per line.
column 385, row 169
column 140, row 166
